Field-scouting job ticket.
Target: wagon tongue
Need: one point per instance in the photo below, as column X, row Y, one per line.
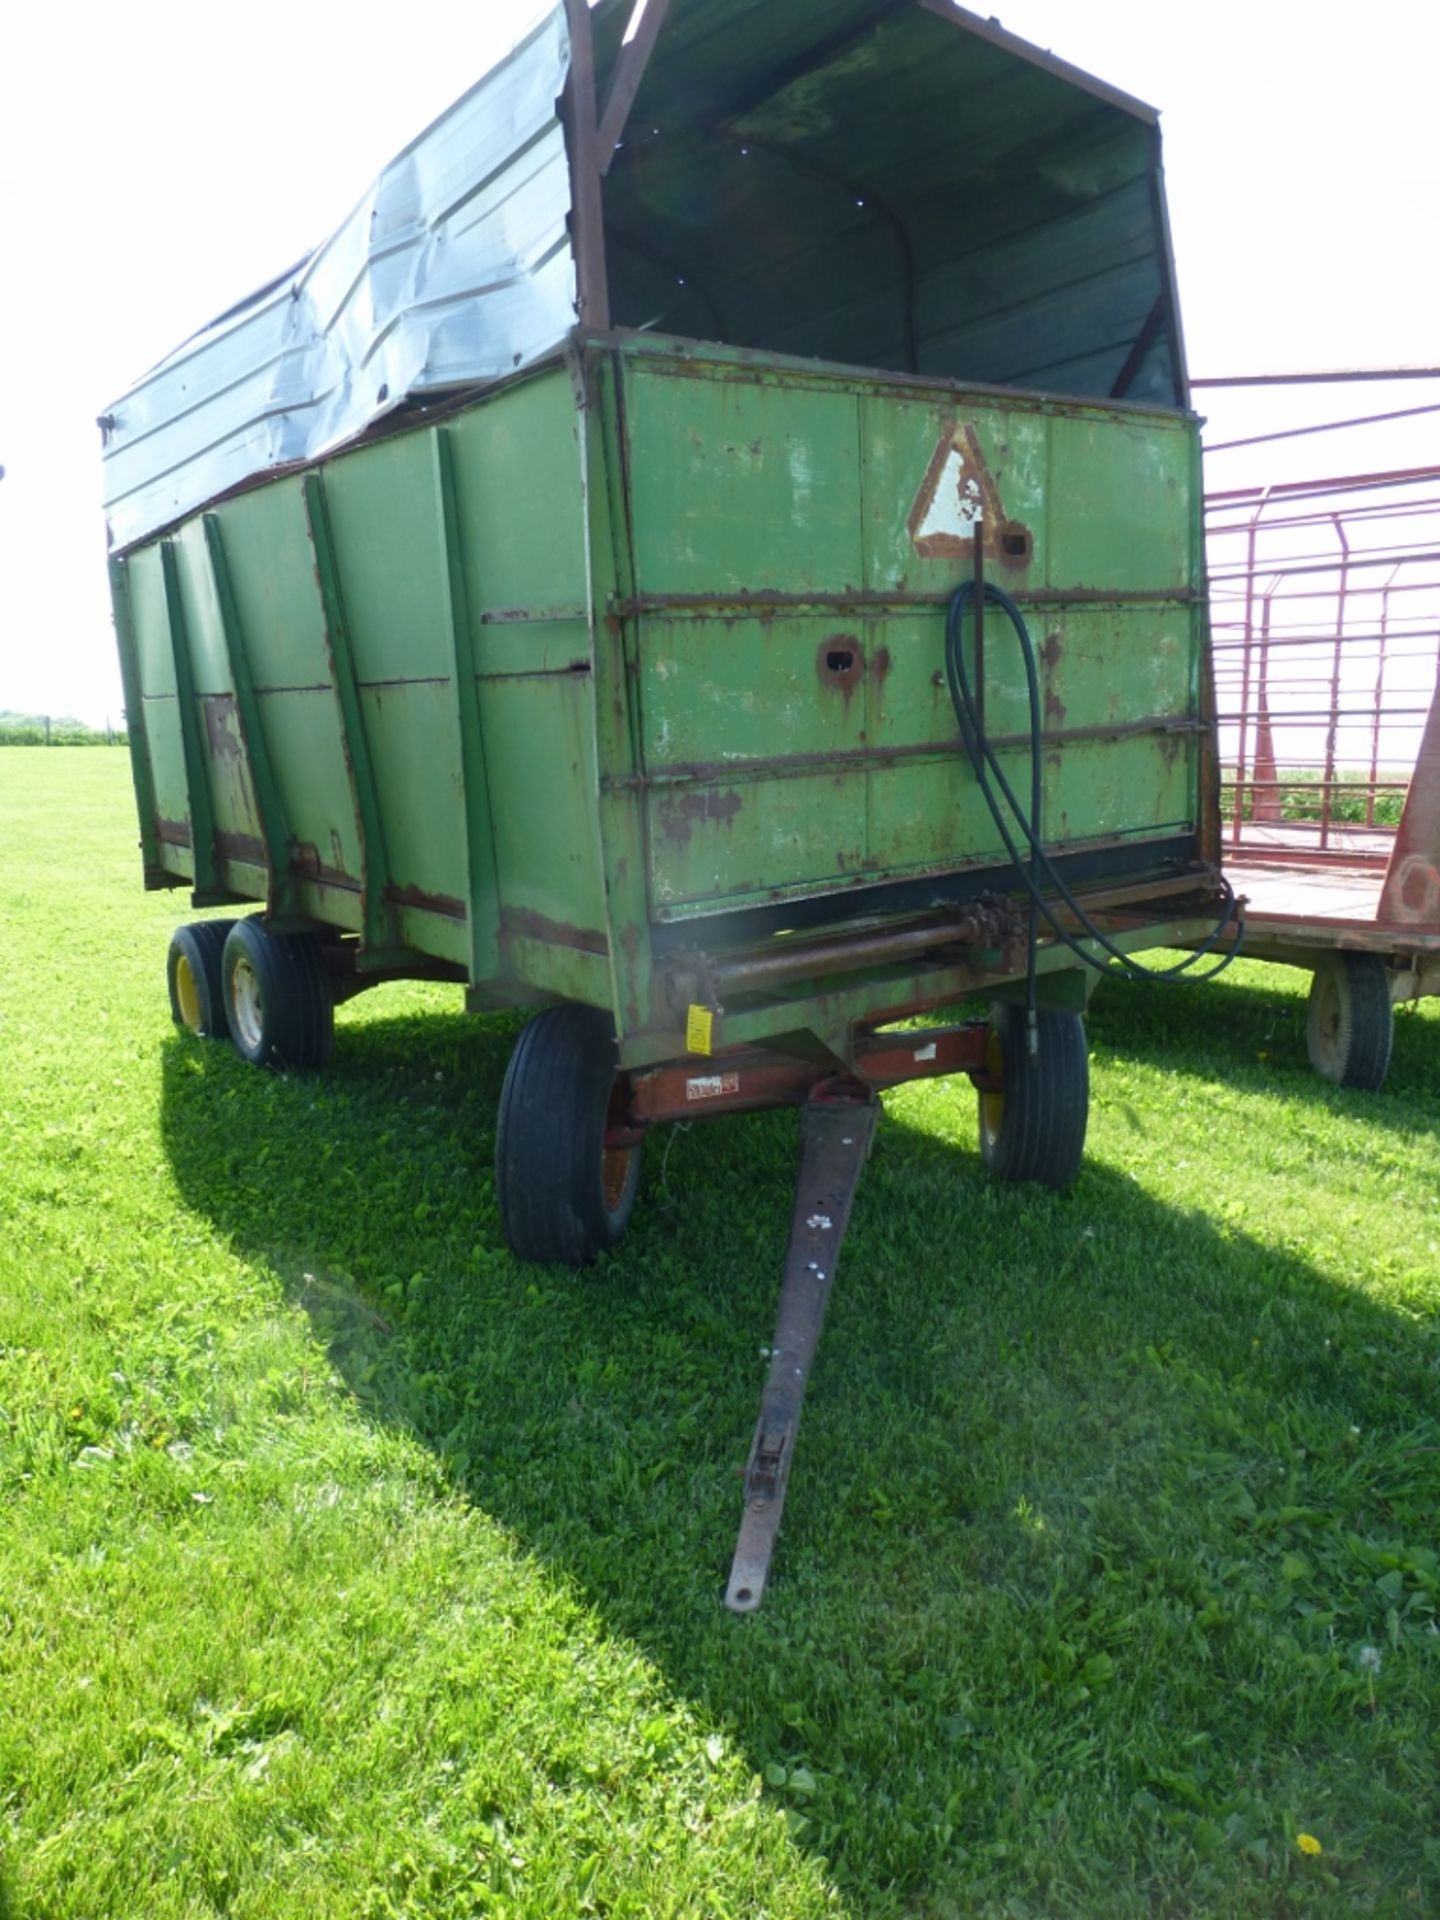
column 836, row 1126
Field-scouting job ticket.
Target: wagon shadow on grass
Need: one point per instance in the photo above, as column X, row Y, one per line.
column 1028, row 1489
column 1254, row 1034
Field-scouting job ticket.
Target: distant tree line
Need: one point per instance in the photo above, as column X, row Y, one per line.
column 54, row 730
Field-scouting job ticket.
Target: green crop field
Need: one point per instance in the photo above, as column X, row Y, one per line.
column 348, row 1568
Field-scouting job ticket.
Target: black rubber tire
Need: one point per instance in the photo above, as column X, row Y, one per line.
column 277, row 997
column 192, row 973
column 1035, row 1128
column 1349, row 1021
column 562, row 1198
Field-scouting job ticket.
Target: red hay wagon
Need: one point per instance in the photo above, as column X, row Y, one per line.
column 1325, row 623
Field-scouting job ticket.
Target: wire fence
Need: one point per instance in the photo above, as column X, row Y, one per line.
column 1325, row 633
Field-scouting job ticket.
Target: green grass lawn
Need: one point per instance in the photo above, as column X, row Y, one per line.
column 349, row 1568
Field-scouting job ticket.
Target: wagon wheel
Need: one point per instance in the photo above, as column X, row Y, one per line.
column 192, row 971
column 277, row 997
column 565, row 1195
column 1032, row 1124
column 1349, row 1023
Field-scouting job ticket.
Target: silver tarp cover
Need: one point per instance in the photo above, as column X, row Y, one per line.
column 454, row 269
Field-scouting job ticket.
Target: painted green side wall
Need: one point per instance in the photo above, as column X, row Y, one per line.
column 766, row 772
column 503, row 601
column 516, row 688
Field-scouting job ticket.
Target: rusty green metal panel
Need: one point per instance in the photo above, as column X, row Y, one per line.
column 737, row 689
column 741, row 483
column 518, row 495
column 654, row 638
column 1125, row 487
column 241, row 860
column 279, row 613
column 520, row 527
column 809, row 741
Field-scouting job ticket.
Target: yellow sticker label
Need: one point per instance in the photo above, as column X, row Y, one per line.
column 699, row 1030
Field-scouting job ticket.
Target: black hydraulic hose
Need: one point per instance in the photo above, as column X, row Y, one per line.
column 1039, row 867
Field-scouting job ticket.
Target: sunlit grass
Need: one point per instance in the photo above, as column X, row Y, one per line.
column 350, row 1568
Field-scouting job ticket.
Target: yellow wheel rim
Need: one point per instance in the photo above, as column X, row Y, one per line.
column 992, row 1105
column 187, row 993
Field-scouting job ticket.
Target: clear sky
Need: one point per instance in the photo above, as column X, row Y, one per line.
column 157, row 161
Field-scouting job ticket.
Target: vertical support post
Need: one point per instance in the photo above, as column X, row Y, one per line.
column 1174, row 332
column 620, row 809
column 482, row 905
column 1327, row 792
column 376, row 918
column 197, row 778
column 582, row 140
column 142, row 771
column 646, row 19
column 279, row 885
column 1377, row 705
column 1265, row 801
column 1252, row 537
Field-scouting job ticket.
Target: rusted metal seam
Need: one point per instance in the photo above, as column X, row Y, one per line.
column 572, row 670
column 767, row 602
column 523, row 923
column 753, row 366
column 530, row 616
column 417, row 680
column 793, row 766
column 699, row 910
column 416, row 900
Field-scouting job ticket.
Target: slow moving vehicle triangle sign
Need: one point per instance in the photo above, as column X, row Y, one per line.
column 957, row 491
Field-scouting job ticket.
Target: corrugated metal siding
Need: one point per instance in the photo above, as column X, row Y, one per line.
column 455, row 268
